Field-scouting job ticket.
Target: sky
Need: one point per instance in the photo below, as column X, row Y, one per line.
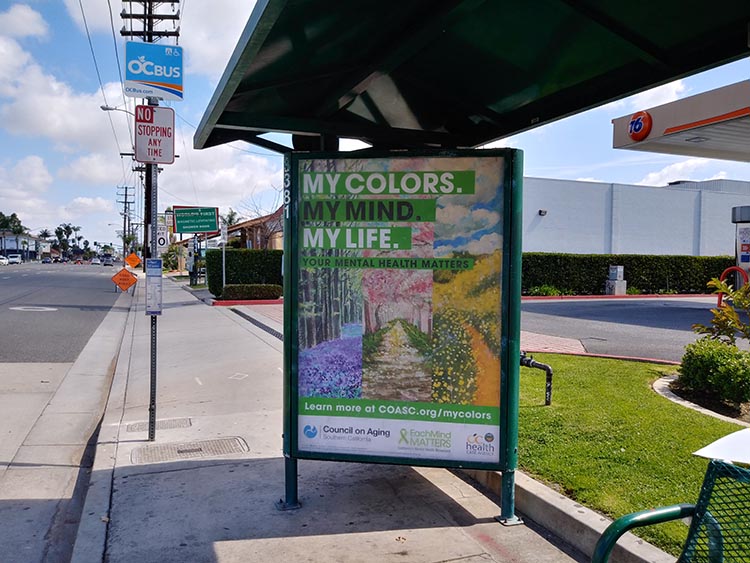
column 60, row 161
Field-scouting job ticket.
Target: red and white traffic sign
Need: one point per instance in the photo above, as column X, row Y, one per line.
column 154, row 135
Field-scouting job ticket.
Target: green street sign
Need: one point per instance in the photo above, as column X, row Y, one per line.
column 196, row 219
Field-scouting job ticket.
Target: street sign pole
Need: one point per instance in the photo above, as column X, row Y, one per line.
column 153, row 249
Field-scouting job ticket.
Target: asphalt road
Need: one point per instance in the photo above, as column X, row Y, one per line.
column 645, row 328
column 48, row 312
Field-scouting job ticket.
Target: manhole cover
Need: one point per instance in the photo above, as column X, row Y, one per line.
column 166, row 424
column 186, row 450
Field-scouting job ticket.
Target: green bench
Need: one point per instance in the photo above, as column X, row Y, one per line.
column 720, row 527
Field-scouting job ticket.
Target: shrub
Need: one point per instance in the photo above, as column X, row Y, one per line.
column 732, row 319
column 585, row 274
column 549, row 290
column 716, row 368
column 251, row 291
column 245, row 266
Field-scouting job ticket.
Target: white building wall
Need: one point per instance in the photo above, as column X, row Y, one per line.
column 654, row 220
column 577, row 219
column 691, row 218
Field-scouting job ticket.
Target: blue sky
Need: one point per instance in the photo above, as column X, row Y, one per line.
column 60, row 153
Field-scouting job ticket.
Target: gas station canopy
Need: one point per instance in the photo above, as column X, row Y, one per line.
column 714, row 124
column 457, row 73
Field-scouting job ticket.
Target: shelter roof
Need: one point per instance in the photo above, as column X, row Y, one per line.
column 454, row 73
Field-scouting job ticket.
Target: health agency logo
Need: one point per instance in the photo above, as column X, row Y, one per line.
column 480, row 444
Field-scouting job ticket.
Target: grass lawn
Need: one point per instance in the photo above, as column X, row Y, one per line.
column 610, row 442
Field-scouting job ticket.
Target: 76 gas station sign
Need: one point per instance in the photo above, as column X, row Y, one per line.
column 154, row 135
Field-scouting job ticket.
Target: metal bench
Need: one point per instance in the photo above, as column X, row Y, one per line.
column 720, row 527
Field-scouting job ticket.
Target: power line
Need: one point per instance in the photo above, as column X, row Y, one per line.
column 99, row 76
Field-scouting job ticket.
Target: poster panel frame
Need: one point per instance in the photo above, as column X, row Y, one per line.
column 510, row 285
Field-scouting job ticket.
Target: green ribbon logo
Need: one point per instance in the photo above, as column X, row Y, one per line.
column 404, row 437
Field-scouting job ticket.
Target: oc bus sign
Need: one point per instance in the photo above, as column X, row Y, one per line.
column 154, row 135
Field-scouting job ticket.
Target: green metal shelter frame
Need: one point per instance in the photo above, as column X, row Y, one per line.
column 454, row 73
column 451, row 74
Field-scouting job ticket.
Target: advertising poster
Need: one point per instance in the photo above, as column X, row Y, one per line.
column 397, row 292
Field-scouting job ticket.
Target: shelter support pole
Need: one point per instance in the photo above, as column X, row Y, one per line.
column 510, row 380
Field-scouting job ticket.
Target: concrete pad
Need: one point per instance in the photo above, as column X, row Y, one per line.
column 80, row 393
column 31, row 378
column 18, row 412
column 350, row 512
column 47, row 456
column 62, row 429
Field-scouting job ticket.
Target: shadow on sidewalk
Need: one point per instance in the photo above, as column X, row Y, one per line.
column 224, row 510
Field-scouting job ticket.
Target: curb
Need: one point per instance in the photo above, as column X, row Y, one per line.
column 239, row 302
column 91, row 538
column 587, row 297
column 576, row 525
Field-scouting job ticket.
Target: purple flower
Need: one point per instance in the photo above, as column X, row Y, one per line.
column 332, row 369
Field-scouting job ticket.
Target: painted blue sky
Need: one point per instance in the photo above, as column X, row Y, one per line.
column 60, row 157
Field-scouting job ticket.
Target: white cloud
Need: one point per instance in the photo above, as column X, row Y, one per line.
column 93, row 169
column 645, row 100
column 21, row 21
column 209, row 31
column 29, row 174
column 684, row 170
column 82, row 206
column 12, row 59
column 97, row 14
column 658, row 96
column 485, row 245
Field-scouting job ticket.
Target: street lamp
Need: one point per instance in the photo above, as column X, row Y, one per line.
column 110, row 108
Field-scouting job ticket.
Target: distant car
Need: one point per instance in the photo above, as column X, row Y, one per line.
column 96, row 262
column 46, row 260
column 3, row 260
column 108, row 262
column 14, row 259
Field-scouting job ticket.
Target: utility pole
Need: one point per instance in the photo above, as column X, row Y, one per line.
column 149, row 16
column 126, row 202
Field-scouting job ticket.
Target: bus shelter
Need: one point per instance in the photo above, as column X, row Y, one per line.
column 415, row 243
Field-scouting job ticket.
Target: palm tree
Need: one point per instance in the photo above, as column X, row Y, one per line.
column 45, row 234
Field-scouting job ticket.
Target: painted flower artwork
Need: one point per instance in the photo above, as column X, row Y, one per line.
column 423, row 329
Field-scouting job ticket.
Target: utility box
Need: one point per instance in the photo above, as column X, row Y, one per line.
column 617, row 273
column 741, row 219
column 616, row 284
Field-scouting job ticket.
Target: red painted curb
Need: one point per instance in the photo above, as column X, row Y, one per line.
column 644, row 296
column 606, row 357
column 229, row 303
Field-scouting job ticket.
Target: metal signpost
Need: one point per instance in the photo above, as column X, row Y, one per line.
column 402, row 323
column 154, row 72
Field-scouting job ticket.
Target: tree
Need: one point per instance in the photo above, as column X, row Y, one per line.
column 45, row 234
column 269, row 220
column 230, row 218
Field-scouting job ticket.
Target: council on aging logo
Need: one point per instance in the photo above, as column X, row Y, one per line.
column 310, row 431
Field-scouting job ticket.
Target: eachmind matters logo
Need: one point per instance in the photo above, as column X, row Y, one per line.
column 310, row 431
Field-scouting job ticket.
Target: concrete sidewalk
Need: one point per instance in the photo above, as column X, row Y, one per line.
column 205, row 489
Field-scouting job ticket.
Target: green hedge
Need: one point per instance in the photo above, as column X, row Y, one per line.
column 251, row 291
column 586, row 274
column 245, row 267
column 719, row 369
